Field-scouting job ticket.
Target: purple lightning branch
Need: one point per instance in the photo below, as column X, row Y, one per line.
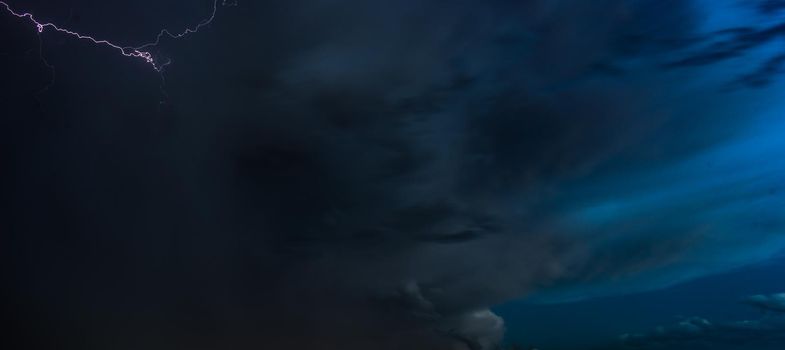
column 139, row 52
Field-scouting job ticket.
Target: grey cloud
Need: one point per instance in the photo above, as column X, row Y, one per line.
column 773, row 302
column 476, row 330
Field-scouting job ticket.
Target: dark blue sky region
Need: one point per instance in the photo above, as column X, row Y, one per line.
column 602, row 322
column 346, row 174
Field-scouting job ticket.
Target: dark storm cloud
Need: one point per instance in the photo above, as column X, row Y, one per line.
column 350, row 175
column 426, row 167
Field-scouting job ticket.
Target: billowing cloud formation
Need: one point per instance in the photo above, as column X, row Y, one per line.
column 348, row 175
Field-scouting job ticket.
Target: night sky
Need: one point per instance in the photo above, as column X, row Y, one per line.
column 409, row 174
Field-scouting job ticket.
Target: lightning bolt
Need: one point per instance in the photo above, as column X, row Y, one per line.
column 141, row 52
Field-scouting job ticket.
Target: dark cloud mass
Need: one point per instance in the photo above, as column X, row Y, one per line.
column 343, row 174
